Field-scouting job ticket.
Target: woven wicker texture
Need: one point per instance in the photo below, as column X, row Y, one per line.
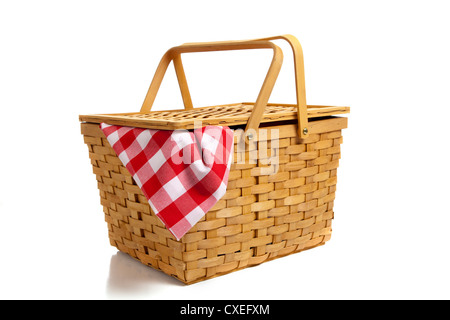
column 268, row 211
column 231, row 114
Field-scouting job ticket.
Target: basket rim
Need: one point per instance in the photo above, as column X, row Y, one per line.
column 227, row 114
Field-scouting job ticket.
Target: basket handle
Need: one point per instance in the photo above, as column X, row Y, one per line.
column 299, row 71
column 266, row 90
column 174, row 54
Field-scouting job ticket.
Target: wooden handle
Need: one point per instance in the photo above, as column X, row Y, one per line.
column 302, row 114
column 266, row 90
column 299, row 70
column 174, row 54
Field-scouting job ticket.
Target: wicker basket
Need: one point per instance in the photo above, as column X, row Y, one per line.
column 271, row 208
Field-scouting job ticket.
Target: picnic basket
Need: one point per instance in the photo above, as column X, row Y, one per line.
column 270, row 209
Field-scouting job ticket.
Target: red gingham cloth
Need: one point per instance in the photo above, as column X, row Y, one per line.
column 181, row 173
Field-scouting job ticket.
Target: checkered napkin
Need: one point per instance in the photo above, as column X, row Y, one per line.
column 181, row 173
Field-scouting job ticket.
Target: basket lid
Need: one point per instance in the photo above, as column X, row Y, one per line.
column 223, row 115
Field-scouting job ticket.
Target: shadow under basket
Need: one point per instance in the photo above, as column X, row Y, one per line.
column 279, row 197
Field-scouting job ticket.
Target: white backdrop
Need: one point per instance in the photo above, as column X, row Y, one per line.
column 387, row 60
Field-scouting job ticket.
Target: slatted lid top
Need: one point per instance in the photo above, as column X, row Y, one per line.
column 224, row 115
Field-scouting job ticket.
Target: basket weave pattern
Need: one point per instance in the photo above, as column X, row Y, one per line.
column 267, row 211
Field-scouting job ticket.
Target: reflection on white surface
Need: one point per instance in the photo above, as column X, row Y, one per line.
column 130, row 277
